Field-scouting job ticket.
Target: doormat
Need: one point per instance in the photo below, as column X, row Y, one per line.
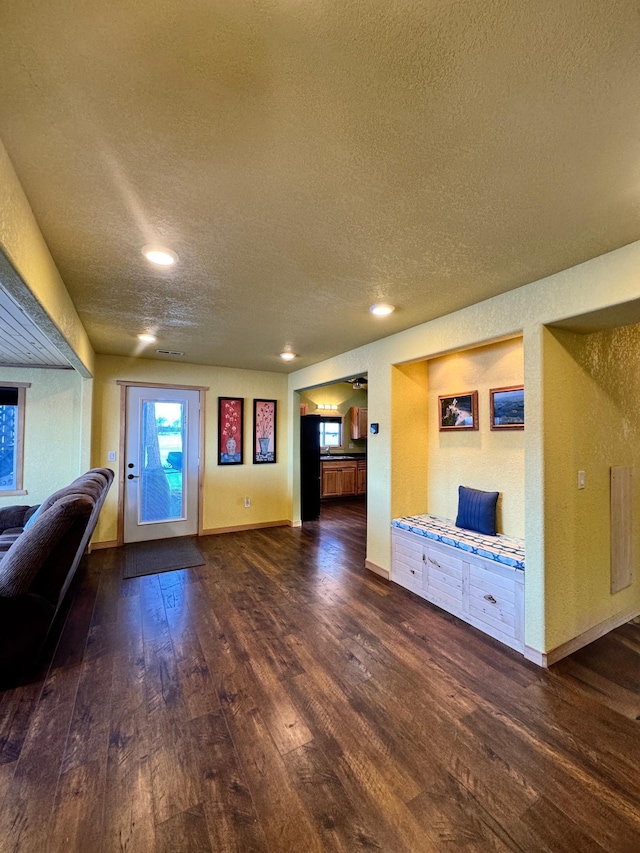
column 161, row 555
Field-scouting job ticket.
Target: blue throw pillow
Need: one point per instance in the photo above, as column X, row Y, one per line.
column 32, row 518
column 477, row 510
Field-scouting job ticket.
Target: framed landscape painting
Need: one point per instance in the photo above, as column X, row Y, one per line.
column 507, row 407
column 230, row 430
column 264, row 430
column 458, row 411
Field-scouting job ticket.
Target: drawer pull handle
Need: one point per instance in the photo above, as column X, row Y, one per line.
column 491, row 599
column 435, row 562
column 413, row 571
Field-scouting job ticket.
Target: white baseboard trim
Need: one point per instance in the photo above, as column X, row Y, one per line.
column 562, row 651
column 535, row 656
column 377, row 570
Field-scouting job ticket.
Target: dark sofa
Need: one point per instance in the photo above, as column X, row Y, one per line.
column 40, row 562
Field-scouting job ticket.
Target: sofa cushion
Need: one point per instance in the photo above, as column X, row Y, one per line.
column 12, row 517
column 41, row 556
column 6, row 541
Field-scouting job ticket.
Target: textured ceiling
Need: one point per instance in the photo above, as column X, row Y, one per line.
column 308, row 159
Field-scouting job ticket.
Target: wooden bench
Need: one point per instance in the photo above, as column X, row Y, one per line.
column 478, row 578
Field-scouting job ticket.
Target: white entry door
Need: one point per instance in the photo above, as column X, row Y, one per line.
column 161, row 463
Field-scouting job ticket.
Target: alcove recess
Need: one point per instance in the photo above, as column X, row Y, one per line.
column 429, row 465
column 591, row 385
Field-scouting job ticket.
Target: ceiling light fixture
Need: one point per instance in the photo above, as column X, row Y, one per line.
column 160, row 256
column 358, row 382
column 381, row 309
column 146, row 338
column 287, row 356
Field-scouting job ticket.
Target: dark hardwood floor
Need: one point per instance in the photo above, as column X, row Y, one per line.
column 282, row 698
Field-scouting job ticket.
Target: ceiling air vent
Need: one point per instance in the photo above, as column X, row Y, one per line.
column 169, row 352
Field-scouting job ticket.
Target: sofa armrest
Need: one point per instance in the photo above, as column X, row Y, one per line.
column 42, row 556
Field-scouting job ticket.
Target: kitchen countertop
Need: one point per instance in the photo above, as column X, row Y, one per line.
column 343, row 457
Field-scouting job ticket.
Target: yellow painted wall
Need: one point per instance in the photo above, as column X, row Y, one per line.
column 54, row 412
column 225, row 487
column 409, row 436
column 591, row 389
column 22, row 243
column 482, row 459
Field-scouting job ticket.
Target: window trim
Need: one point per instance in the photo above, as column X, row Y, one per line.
column 334, row 419
column 19, row 478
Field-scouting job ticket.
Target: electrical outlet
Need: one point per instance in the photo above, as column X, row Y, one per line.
column 247, row 503
column 581, row 479
column 111, row 456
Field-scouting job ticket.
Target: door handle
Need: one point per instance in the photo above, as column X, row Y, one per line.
column 133, row 476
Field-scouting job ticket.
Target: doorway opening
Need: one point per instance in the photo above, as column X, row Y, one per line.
column 333, row 445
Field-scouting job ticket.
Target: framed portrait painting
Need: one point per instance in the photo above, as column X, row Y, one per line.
column 264, row 430
column 458, row 411
column 507, row 407
column 230, row 430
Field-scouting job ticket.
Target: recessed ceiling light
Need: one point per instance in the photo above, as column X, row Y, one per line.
column 287, row 356
column 146, row 338
column 381, row 309
column 159, row 255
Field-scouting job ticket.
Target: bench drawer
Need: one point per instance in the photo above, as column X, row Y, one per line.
column 445, row 576
column 410, row 578
column 493, row 600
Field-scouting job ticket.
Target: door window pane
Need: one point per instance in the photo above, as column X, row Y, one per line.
column 162, row 495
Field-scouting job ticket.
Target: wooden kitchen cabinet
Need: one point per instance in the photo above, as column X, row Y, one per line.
column 361, row 477
column 359, row 422
column 339, row 479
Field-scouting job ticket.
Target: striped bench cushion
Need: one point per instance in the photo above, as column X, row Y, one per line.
column 501, row 549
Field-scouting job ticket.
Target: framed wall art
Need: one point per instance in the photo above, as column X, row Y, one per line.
column 264, row 430
column 230, row 430
column 507, row 407
column 458, row 411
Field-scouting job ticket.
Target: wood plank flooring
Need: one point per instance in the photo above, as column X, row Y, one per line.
column 281, row 698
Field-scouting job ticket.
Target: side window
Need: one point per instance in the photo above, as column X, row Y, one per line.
column 12, row 405
column 331, row 432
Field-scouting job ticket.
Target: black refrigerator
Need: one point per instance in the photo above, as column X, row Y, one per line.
column 310, row 467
